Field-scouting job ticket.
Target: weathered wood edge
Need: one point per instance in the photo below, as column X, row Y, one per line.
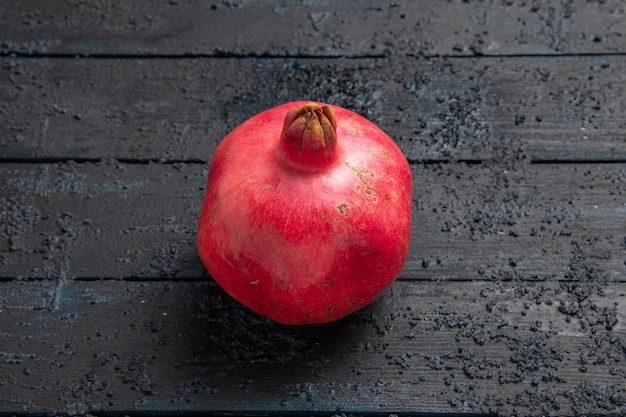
column 477, row 221
column 509, row 348
column 312, row 29
column 546, row 109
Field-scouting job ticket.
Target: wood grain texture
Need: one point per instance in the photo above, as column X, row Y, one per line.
column 306, row 28
column 183, row 347
column 484, row 221
column 555, row 109
column 510, row 112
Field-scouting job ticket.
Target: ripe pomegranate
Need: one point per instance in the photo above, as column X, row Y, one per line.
column 307, row 213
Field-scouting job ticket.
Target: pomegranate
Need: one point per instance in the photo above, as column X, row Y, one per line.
column 307, row 213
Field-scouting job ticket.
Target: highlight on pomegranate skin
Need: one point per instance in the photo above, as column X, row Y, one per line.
column 307, row 213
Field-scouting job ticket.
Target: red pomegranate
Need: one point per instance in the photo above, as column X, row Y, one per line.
column 307, row 213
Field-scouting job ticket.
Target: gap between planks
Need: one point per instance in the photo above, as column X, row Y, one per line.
column 227, row 55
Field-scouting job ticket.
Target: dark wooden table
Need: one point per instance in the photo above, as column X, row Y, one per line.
column 513, row 117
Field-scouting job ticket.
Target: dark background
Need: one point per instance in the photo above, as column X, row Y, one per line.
column 511, row 114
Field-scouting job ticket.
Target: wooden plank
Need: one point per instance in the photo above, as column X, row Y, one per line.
column 554, row 109
column 104, row 220
column 478, row 221
column 350, row 28
column 485, row 347
column 179, row 109
column 559, row 109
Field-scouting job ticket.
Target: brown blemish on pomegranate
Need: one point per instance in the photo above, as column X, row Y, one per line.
column 364, row 175
column 343, row 208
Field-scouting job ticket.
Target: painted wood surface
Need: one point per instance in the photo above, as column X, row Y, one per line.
column 312, row 28
column 511, row 114
column 477, row 221
column 513, row 348
column 554, row 109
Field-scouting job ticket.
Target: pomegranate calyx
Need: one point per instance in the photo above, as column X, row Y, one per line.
column 309, row 137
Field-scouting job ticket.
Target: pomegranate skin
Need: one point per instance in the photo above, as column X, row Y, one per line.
column 310, row 244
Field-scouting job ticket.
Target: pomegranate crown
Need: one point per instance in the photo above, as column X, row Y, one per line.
column 309, row 137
